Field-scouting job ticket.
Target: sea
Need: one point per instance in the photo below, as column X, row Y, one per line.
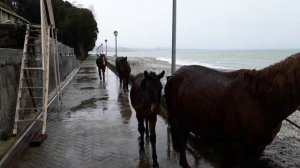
column 219, row 59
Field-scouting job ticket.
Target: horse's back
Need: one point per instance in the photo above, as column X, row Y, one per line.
column 201, row 97
column 101, row 61
column 197, row 82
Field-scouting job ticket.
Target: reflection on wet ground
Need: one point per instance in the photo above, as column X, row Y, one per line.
column 98, row 128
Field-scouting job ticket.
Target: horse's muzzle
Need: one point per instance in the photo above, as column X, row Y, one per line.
column 155, row 108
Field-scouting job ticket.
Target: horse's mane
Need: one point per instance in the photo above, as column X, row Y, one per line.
column 277, row 85
column 282, row 76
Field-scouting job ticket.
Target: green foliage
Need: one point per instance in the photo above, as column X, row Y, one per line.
column 79, row 30
column 5, row 135
column 12, row 36
column 77, row 27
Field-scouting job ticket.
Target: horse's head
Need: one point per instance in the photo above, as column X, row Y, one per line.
column 152, row 87
column 122, row 62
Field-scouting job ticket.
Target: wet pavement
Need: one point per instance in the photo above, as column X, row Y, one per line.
column 97, row 128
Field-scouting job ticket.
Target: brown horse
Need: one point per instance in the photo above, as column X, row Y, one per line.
column 145, row 95
column 243, row 109
column 101, row 64
column 124, row 71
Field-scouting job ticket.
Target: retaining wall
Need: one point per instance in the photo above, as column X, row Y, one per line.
column 10, row 63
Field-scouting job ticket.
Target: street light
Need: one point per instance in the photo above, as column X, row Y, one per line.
column 116, row 34
column 105, row 47
column 101, row 49
column 98, row 50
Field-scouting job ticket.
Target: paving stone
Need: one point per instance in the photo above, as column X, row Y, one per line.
column 100, row 133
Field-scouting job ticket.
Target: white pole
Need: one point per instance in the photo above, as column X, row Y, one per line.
column 116, row 47
column 174, row 38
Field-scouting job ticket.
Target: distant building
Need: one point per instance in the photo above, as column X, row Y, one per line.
column 9, row 17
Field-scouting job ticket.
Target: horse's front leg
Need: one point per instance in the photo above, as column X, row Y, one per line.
column 141, row 129
column 147, row 130
column 127, row 82
column 103, row 73
column 99, row 70
column 124, row 84
column 152, row 124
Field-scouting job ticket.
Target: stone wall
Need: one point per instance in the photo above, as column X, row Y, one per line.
column 10, row 62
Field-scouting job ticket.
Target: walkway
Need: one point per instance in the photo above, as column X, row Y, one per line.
column 97, row 128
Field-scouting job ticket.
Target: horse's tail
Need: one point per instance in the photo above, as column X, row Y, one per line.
column 168, row 94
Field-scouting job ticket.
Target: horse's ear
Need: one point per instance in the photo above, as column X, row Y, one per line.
column 168, row 78
column 146, row 74
column 125, row 58
column 161, row 74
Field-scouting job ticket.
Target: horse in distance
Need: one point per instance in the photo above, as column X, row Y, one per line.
column 124, row 70
column 101, row 63
column 145, row 96
column 241, row 109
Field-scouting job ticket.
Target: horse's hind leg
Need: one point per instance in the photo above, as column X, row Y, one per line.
column 152, row 124
column 127, row 85
column 183, row 162
column 179, row 139
column 120, row 78
column 141, row 129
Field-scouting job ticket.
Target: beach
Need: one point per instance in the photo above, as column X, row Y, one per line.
column 283, row 151
column 141, row 64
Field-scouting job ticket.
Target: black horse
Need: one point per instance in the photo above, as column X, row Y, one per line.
column 101, row 64
column 243, row 109
column 145, row 95
column 124, row 71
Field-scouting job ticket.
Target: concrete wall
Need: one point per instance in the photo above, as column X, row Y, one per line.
column 10, row 61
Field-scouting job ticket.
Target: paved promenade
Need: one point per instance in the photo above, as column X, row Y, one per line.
column 97, row 128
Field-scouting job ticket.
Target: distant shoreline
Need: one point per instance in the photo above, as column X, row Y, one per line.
column 141, row 64
column 127, row 49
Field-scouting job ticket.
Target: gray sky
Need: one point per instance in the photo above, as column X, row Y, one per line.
column 201, row 24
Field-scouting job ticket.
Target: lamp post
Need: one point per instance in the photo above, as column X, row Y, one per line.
column 116, row 34
column 174, row 38
column 101, row 49
column 98, row 50
column 105, row 47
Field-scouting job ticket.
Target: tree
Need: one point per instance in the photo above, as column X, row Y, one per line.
column 77, row 26
column 79, row 30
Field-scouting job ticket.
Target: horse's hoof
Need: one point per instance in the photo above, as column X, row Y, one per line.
column 184, row 164
column 155, row 164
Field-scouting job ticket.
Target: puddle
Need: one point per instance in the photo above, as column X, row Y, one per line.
column 87, row 88
column 90, row 103
column 88, row 70
column 86, row 79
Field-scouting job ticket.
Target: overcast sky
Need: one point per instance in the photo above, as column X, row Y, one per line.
column 201, row 24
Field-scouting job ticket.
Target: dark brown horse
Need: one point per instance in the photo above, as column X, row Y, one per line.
column 243, row 109
column 101, row 64
column 124, row 71
column 145, row 95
